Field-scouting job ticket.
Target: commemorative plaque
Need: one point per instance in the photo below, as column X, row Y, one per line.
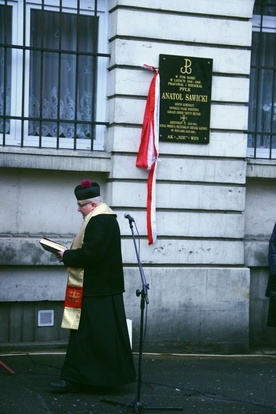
column 185, row 99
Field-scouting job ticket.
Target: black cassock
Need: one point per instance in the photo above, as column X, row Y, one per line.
column 271, row 286
column 99, row 352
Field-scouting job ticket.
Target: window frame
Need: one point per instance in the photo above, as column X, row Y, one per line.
column 262, row 24
column 20, row 76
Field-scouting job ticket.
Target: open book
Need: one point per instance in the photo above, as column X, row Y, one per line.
column 51, row 245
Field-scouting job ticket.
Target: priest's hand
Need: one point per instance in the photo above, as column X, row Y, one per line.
column 59, row 255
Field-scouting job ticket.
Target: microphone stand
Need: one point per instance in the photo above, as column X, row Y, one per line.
column 143, row 293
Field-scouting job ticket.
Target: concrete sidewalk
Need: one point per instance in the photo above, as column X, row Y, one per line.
column 171, row 383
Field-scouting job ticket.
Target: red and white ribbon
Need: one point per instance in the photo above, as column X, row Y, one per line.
column 148, row 151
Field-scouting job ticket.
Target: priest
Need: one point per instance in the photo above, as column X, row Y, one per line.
column 99, row 352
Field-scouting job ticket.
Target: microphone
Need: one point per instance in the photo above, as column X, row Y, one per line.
column 127, row 216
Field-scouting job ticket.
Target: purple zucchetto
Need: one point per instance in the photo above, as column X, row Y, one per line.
column 87, row 189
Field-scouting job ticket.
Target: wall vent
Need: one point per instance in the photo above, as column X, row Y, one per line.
column 45, row 318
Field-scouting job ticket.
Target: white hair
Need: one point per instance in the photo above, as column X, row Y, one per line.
column 97, row 199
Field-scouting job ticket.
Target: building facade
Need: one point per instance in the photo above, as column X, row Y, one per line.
column 72, row 107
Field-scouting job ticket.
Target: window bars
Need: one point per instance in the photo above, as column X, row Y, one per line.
column 52, row 63
column 262, row 101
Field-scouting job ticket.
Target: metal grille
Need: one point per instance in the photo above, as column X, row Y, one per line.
column 50, row 71
column 262, row 108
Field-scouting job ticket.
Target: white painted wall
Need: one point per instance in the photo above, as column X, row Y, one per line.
column 200, row 286
column 200, row 188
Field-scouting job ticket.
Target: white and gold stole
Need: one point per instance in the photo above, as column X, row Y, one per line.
column 74, row 289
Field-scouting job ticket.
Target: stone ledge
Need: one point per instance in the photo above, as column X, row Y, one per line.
column 260, row 168
column 26, row 251
column 61, row 160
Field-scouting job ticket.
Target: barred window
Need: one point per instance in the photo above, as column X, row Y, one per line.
column 262, row 101
column 53, row 64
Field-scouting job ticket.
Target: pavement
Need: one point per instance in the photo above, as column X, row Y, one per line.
column 168, row 383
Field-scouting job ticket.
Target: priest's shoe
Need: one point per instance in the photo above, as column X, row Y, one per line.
column 63, row 386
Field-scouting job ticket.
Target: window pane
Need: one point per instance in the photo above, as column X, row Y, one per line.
column 262, row 108
column 5, row 67
column 61, row 79
column 262, row 111
column 264, row 7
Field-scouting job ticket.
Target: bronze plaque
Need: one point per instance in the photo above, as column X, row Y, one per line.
column 185, row 99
